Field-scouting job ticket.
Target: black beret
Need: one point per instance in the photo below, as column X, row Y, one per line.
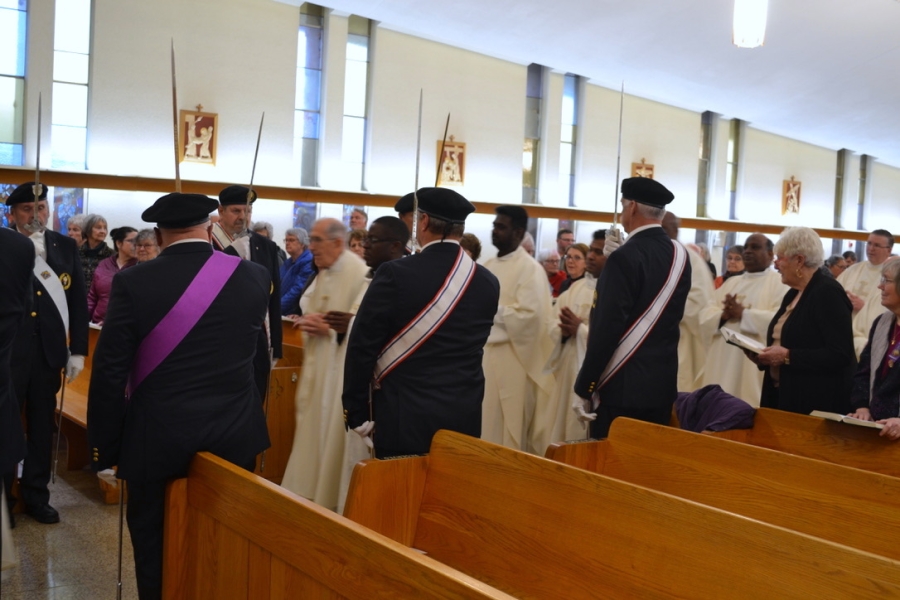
column 404, row 204
column 235, row 194
column 444, row 204
column 177, row 211
column 25, row 193
column 646, row 191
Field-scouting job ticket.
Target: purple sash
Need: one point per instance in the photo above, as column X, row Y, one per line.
column 182, row 317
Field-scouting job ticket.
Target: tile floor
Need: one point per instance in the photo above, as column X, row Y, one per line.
column 77, row 558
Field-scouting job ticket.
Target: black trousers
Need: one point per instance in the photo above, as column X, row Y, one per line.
column 145, row 512
column 36, row 384
column 607, row 414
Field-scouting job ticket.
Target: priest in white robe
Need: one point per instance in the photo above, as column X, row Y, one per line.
column 746, row 304
column 691, row 345
column 861, row 283
column 517, row 411
column 314, row 467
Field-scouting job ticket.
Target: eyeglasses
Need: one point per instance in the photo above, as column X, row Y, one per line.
column 883, row 247
column 370, row 241
column 314, row 239
column 145, row 245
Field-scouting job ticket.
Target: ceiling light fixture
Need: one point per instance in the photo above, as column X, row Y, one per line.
column 750, row 23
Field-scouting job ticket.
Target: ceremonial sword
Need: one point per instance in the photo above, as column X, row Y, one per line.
column 175, row 124
column 618, row 159
column 415, row 223
column 437, row 177
column 253, row 173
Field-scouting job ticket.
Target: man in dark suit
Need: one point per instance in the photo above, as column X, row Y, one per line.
column 439, row 384
column 631, row 363
column 231, row 235
column 169, row 313
column 53, row 336
column 16, row 262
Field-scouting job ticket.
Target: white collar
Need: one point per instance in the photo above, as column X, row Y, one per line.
column 440, row 242
column 643, row 228
column 188, row 240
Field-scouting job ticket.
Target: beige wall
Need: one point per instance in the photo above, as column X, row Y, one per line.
column 238, row 59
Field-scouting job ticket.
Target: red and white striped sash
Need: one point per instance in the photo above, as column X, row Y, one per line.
column 429, row 319
column 641, row 328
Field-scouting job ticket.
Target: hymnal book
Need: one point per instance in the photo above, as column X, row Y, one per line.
column 845, row 419
column 741, row 341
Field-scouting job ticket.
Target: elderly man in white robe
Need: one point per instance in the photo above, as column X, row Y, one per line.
column 517, row 411
column 691, row 345
column 314, row 467
column 569, row 334
column 861, row 283
column 746, row 304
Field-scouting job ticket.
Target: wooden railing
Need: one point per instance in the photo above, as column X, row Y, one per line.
column 212, row 188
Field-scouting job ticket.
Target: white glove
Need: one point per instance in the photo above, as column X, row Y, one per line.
column 579, row 406
column 74, row 367
column 613, row 240
column 365, row 432
column 109, row 476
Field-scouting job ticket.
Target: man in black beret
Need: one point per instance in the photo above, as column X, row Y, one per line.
column 53, row 337
column 158, row 393
column 419, row 335
column 631, row 364
column 232, row 235
column 404, row 208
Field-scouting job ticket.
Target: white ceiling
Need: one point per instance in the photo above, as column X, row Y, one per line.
column 829, row 73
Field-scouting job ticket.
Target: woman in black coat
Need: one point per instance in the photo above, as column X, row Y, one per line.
column 810, row 359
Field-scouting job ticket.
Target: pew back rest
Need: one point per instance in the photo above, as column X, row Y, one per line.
column 833, row 502
column 538, row 529
column 812, row 437
column 231, row 534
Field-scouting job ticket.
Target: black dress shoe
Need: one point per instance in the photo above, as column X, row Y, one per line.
column 43, row 513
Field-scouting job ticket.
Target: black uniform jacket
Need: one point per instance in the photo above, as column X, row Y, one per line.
column 16, row 261
column 202, row 396
column 631, row 279
column 819, row 335
column 441, row 385
column 264, row 251
column 62, row 256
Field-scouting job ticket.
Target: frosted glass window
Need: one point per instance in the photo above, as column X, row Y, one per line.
column 19, row 4
column 11, row 154
column 352, row 174
column 68, row 147
column 12, row 42
column 12, row 95
column 568, row 101
column 354, row 137
column 565, row 160
column 70, row 104
column 308, row 85
column 358, row 48
column 70, row 67
column 73, row 30
column 355, row 89
column 309, row 48
column 307, row 151
column 306, row 124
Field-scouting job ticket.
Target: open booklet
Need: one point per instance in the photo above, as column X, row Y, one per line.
column 741, row 341
column 845, row 419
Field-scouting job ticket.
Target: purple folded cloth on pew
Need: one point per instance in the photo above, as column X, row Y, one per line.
column 712, row 409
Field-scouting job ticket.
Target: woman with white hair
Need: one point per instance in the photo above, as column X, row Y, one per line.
column 810, row 360
column 94, row 249
column 876, row 386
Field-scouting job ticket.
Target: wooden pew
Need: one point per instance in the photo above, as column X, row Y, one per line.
column 539, row 529
column 833, row 502
column 73, row 422
column 281, row 413
column 230, row 534
column 812, row 437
